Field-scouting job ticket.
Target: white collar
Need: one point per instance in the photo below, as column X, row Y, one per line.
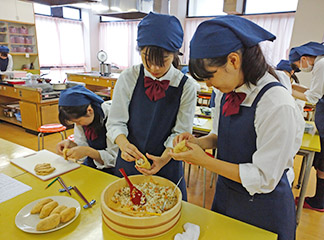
column 167, row 76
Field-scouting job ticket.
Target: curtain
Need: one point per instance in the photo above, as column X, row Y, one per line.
column 280, row 25
column 118, row 40
column 60, row 45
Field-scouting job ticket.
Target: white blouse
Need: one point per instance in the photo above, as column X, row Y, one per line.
column 123, row 91
column 316, row 90
column 108, row 155
column 279, row 129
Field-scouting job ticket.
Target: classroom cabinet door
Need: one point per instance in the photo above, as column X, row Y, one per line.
column 29, row 117
column 49, row 114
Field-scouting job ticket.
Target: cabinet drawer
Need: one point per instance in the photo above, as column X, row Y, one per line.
column 8, row 91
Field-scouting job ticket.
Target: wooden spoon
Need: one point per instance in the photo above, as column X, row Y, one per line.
column 137, row 196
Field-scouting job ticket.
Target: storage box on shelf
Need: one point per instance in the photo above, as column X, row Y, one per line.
column 21, row 41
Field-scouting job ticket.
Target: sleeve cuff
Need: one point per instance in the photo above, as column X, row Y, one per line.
column 250, row 178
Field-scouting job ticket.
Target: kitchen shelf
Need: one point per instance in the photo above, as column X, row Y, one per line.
column 21, row 34
column 22, row 54
column 29, row 44
column 20, row 37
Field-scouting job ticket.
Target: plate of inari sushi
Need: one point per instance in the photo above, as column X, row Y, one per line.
column 47, row 214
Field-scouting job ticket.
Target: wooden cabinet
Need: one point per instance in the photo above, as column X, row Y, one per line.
column 22, row 43
column 95, row 83
column 49, row 114
column 33, row 110
column 29, row 116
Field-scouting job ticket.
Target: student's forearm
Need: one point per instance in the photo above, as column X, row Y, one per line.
column 299, row 88
column 94, row 154
column 299, row 95
column 121, row 140
column 226, row 169
column 208, row 142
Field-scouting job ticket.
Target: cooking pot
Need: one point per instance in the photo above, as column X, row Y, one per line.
column 105, row 69
column 59, row 86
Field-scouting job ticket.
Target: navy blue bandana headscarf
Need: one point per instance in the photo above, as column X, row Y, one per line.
column 160, row 30
column 311, row 49
column 4, row 49
column 222, row 35
column 284, row 65
column 78, row 96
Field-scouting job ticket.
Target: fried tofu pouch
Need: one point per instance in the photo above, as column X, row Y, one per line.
column 49, row 222
column 143, row 163
column 58, row 209
column 65, row 150
column 47, row 209
column 180, row 147
column 67, row 214
column 38, row 207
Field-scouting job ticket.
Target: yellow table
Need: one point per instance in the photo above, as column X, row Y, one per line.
column 9, row 150
column 310, row 145
column 89, row 225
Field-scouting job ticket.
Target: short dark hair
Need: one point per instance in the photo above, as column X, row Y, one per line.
column 156, row 55
column 67, row 113
column 4, row 54
column 254, row 65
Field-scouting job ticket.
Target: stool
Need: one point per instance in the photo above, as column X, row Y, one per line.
column 203, row 98
column 309, row 113
column 71, row 137
column 50, row 128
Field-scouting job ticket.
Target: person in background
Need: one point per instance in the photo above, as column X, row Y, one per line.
column 257, row 127
column 6, row 62
column 89, row 114
column 153, row 102
column 287, row 77
column 310, row 58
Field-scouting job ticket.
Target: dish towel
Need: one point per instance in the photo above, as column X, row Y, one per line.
column 192, row 232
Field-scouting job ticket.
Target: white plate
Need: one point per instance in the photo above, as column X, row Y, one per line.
column 27, row 222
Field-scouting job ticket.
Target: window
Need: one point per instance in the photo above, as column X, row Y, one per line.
column 257, row 6
column 71, row 13
column 42, row 9
column 118, row 40
column 205, row 8
column 60, row 45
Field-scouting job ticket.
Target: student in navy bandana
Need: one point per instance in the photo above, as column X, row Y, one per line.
column 310, row 58
column 257, row 127
column 5, row 60
column 88, row 113
column 153, row 102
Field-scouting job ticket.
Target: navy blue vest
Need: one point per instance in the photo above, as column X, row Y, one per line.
column 274, row 211
column 99, row 143
column 149, row 125
column 3, row 64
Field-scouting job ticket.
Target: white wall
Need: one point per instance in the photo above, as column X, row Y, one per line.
column 308, row 26
column 14, row 10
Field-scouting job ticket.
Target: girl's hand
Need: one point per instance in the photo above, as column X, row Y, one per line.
column 130, row 153
column 77, row 152
column 158, row 163
column 185, row 136
column 195, row 155
column 61, row 145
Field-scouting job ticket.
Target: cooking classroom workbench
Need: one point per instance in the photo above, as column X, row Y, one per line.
column 89, row 225
column 310, row 145
column 34, row 111
column 95, row 82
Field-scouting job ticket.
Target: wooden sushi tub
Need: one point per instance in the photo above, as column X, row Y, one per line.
column 139, row 227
